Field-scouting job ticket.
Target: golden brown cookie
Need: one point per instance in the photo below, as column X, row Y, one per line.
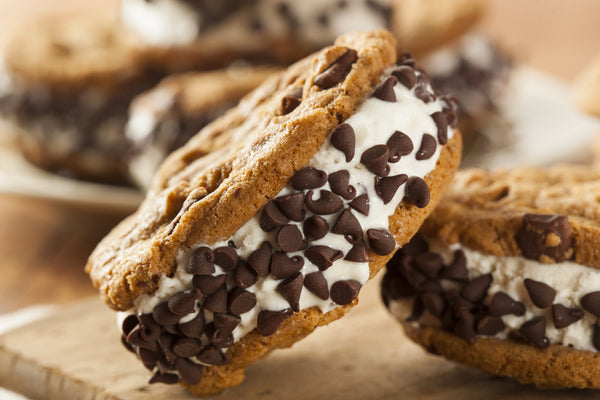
column 504, row 276
column 587, row 88
column 267, row 223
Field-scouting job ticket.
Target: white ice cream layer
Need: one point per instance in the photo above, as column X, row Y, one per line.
column 571, row 281
column 373, row 123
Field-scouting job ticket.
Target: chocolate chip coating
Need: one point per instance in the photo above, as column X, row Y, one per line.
column 315, row 228
column 535, row 331
column 212, row 355
column 347, row 224
column 317, row 284
column 269, row 321
column 376, row 158
column 399, row 145
column 191, row 373
column 201, row 262
column 503, row 304
column 339, row 183
column 385, row 91
column 328, row 203
column 591, row 303
column 540, row 294
column 442, row 126
column 240, row 301
column 292, row 206
column 193, row 328
column 217, row 302
column 322, row 256
column 406, row 76
column 290, row 289
column 260, row 259
column 564, row 316
column 381, row 241
column 289, row 239
column 417, row 192
column 282, row 266
column 309, row 178
column 209, row 284
column 344, row 292
column 226, row 258
column 244, row 276
column 476, row 290
column 358, row 252
column 361, row 204
column 183, row 303
column 387, row 187
column 271, row 217
column 427, row 147
column 337, row 71
column 343, row 138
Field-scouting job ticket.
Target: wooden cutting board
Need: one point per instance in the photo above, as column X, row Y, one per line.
column 76, row 354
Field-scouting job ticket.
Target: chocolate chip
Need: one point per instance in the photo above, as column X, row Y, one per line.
column 417, row 192
column 209, row 284
column 451, row 110
column 244, row 276
column 130, row 322
column 290, row 289
column 337, row 71
column 535, row 331
column 212, row 355
column 422, row 89
column 344, row 292
column 442, row 126
column 376, row 159
column 163, row 377
column 417, row 310
column 358, row 252
column 268, row 321
column 217, row 302
column 347, row 224
column 406, row 76
column 428, row 147
column 166, row 341
column 385, row 91
column 322, row 256
column 464, row 326
column 216, row 337
column 163, row 316
column 361, row 204
column 432, row 286
column 429, row 263
column 399, row 145
column 417, row 245
column 338, row 181
column 283, row 267
column 434, row 303
column 344, row 139
column 457, row 270
column 457, row 302
column 292, row 206
column 476, row 289
column 546, row 235
column 191, row 373
column 193, row 328
column 271, row 218
column 387, row 187
column 315, row 228
column 186, row 347
column 289, row 239
column 201, row 262
column 394, row 286
column 564, row 316
column 182, row 303
column 381, row 241
column 591, row 303
column 150, row 330
column 134, row 338
column 289, row 104
column 328, row 203
column 309, row 178
column 490, row 325
column 226, row 258
column 540, row 294
column 225, row 323
column 149, row 358
column 317, row 284
column 503, row 304
column 260, row 259
column 240, row 301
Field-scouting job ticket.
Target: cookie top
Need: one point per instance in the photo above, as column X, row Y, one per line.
column 550, row 215
column 587, row 88
column 206, row 198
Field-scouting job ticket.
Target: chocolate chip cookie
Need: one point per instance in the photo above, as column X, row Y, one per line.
column 503, row 276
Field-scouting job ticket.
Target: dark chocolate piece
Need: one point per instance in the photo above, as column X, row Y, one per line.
column 465, row 325
column 309, row 178
column 422, row 89
column 535, row 331
column 212, row 355
column 194, row 328
column 209, row 284
column 591, row 303
column 163, row 316
column 358, row 252
column 224, row 324
column 400, row 145
column 244, row 276
column 217, row 302
column 337, row 71
column 417, row 192
column 376, row 158
column 476, row 290
column 182, row 303
column 429, row 263
column 201, row 262
column 457, row 270
column 546, row 235
column 427, row 148
column 164, row 377
column 338, row 181
column 387, row 187
column 292, row 206
column 186, row 347
column 540, row 294
column 322, row 256
column 442, row 126
column 240, row 301
column 289, row 103
column 385, row 91
column 328, row 203
column 490, row 325
column 268, row 321
column 434, row 303
column 271, row 218
column 502, row 304
column 317, row 284
column 282, row 267
column 130, row 322
column 347, row 224
column 406, row 76
column 344, row 139
column 289, row 239
column 361, row 204
column 191, row 373
column 291, row 289
column 381, row 241
column 315, row 228
column 565, row 316
column 344, row 292
column 260, row 259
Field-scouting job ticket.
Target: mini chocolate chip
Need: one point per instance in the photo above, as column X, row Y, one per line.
column 244, row 276
column 490, row 325
column 457, row 270
column 535, row 331
column 163, row 377
column 289, row 239
column 219, row 338
column 464, row 326
column 166, row 341
column 564, row 316
column 225, row 323
column 442, row 126
column 394, row 286
column 347, row 224
column 591, row 303
column 540, row 294
column 417, row 245
column 502, row 304
column 429, row 263
column 201, row 262
column 546, row 235
column 476, row 290
column 268, row 321
column 271, row 218
column 328, row 203
column 283, row 267
column 292, row 206
column 260, row 259
column 194, row 328
column 209, row 284
column 415, row 277
column 451, row 110
column 317, row 284
column 344, row 292
column 191, row 373
column 406, row 76
column 186, row 347
column 240, row 301
column 309, row 178
column 417, row 310
column 358, row 252
column 289, row 104
column 385, row 91
column 381, row 241
column 149, row 358
column 361, row 204
column 387, row 187
column 337, row 71
column 315, row 228
column 344, row 139
column 134, row 338
column 182, row 303
column 290, row 289
column 217, row 302
column 150, row 330
column 130, row 322
column 163, row 316
column 376, row 158
column 457, row 302
column 434, row 303
column 226, row 258
column 432, row 286
column 212, row 355
column 417, row 192
column 338, row 181
column 322, row 256
column 399, row 145
column 427, row 148
column 422, row 88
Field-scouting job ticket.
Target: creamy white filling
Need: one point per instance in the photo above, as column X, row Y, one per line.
column 373, row 123
column 570, row 280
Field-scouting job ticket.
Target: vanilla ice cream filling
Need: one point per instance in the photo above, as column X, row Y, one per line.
column 570, row 280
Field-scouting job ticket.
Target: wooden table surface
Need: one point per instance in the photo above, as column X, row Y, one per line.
column 44, row 245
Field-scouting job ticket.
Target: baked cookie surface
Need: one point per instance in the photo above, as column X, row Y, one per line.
column 267, row 223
